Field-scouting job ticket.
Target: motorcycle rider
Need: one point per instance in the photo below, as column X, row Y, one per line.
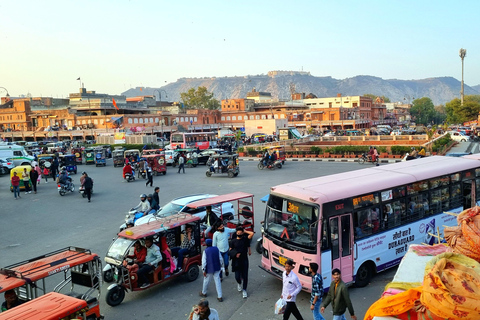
column 413, row 155
column 266, row 156
column 371, row 154
column 144, row 205
column 273, row 158
column 64, row 179
column 127, row 169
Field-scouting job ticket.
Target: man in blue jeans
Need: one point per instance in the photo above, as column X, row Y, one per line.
column 220, row 240
column 317, row 291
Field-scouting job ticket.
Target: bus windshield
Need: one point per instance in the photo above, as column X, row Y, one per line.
column 291, row 221
column 177, row 138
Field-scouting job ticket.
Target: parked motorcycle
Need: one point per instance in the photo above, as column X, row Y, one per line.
column 62, row 188
column 270, row 165
column 129, row 177
column 366, row 158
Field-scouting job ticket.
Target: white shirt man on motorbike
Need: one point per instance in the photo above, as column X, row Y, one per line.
column 144, row 205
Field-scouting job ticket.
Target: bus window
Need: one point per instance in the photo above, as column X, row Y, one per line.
column 417, row 187
column 292, row 221
column 455, row 177
column 456, row 196
column 367, row 222
column 346, row 247
column 417, row 206
column 366, row 200
column 438, row 182
column 334, row 238
column 398, row 192
column 324, row 235
column 477, row 189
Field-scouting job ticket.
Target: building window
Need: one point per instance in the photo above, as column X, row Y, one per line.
column 282, row 116
column 195, row 119
column 234, row 118
column 228, row 118
column 156, row 120
column 245, row 117
column 223, row 118
column 257, row 117
column 135, row 120
column 182, row 119
column 95, row 121
column 129, row 120
column 141, row 120
column 151, row 120
column 329, row 104
column 263, row 116
column 269, row 116
column 251, row 118
column 275, row 116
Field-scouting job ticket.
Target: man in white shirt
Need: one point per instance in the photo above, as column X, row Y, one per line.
column 291, row 287
column 153, row 258
column 203, row 311
column 220, row 240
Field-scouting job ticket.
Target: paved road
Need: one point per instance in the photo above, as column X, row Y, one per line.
column 46, row 221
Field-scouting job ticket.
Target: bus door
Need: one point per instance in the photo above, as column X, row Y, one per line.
column 469, row 196
column 341, row 234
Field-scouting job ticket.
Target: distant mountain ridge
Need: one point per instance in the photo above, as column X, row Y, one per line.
column 440, row 89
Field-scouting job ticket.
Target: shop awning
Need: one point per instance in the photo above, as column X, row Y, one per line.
column 116, row 118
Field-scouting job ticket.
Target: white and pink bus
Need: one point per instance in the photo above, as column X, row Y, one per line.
column 187, row 140
column 362, row 222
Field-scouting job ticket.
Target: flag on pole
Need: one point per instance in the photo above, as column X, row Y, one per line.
column 115, row 103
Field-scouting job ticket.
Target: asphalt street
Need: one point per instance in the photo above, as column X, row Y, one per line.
column 44, row 222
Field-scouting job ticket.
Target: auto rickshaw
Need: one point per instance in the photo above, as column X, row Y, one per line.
column 157, row 163
column 78, row 152
column 191, row 157
column 100, row 157
column 280, row 150
column 53, row 305
column 227, row 163
column 108, row 150
column 118, row 158
column 45, row 161
column 133, row 155
column 19, row 171
column 69, row 162
column 89, row 155
column 166, row 233
column 77, row 270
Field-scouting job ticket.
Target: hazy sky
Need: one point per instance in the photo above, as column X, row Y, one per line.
column 114, row 45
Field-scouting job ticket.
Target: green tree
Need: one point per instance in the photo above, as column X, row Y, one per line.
column 423, row 111
column 468, row 112
column 374, row 97
column 199, row 99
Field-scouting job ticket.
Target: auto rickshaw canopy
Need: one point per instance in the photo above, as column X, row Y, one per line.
column 46, row 265
column 152, row 152
column 158, row 225
column 53, row 305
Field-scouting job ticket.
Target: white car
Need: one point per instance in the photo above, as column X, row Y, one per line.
column 180, row 205
column 170, row 156
column 6, row 165
column 458, row 136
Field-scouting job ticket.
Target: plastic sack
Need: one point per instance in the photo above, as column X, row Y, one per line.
column 280, row 306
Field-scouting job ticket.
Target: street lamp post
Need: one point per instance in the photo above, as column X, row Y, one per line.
column 160, row 99
column 463, row 54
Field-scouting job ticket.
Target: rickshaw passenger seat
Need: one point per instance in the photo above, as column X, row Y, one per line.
column 92, row 300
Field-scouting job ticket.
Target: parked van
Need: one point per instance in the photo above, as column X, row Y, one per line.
column 53, row 147
column 17, row 154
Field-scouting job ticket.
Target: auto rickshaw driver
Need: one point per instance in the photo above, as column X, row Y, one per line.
column 138, row 257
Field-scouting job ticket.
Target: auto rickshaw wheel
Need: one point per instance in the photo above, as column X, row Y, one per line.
column 164, row 172
column 75, row 171
column 107, row 275
column 192, row 273
column 208, row 173
column 231, row 174
column 194, row 165
column 115, row 296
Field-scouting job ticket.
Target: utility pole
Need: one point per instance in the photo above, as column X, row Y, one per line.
column 462, row 53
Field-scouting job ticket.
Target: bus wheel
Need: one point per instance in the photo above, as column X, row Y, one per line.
column 115, row 296
column 364, row 274
column 192, row 273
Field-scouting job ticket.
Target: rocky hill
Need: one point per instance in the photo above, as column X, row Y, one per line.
column 440, row 90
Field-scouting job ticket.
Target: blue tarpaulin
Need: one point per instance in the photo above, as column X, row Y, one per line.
column 265, row 198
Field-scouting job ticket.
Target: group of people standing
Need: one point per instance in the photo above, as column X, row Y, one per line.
column 337, row 294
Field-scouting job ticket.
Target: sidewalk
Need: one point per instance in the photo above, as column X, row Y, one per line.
column 382, row 160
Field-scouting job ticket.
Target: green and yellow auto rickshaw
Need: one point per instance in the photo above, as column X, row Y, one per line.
column 89, row 155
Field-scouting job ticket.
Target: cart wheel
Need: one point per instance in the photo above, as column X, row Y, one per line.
column 231, row 174
column 107, row 275
column 192, row 273
column 164, row 172
column 115, row 296
column 208, row 173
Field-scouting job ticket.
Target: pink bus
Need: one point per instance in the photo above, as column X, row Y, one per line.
column 362, row 222
column 188, row 140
